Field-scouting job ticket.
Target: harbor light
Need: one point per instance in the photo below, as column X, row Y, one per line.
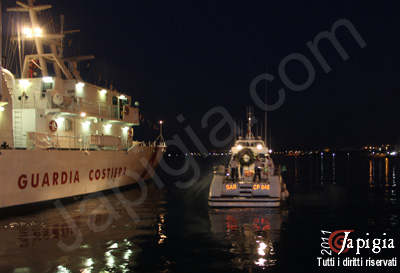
column 161, row 122
column 83, row 114
column 270, row 151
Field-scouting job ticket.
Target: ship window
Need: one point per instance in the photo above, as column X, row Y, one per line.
column 68, row 125
column 47, row 85
column 114, row 100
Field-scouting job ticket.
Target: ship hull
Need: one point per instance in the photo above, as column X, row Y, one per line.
column 31, row 176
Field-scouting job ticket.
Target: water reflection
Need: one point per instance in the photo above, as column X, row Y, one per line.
column 33, row 243
column 382, row 172
column 175, row 231
column 252, row 234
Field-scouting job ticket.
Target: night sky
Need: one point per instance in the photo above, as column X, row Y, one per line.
column 185, row 57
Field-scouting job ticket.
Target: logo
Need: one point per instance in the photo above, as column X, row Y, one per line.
column 348, row 248
column 337, row 241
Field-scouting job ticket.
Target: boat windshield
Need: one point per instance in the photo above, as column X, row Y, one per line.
column 250, row 144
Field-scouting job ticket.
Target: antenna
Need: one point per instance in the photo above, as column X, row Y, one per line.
column 234, row 131
column 266, row 115
column 1, row 38
column 1, row 50
column 160, row 138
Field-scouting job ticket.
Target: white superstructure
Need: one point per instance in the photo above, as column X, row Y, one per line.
column 61, row 136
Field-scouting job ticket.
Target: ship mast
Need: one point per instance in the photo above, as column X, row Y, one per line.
column 1, row 39
column 54, row 41
column 249, row 134
column 35, row 30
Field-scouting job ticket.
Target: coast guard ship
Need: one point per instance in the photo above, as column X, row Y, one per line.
column 61, row 136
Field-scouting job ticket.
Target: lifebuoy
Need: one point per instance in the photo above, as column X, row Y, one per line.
column 53, row 126
column 246, row 157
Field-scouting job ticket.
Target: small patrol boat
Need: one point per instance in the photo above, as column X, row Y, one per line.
column 250, row 179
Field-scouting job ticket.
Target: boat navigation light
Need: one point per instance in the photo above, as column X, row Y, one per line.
column 83, row 114
column 2, row 109
column 259, row 146
column 239, row 147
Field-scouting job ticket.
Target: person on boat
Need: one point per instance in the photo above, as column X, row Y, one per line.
column 258, row 166
column 234, row 169
column 269, row 164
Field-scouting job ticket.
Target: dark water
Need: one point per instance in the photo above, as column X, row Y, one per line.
column 173, row 229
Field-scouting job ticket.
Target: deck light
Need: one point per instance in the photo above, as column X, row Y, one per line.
column 60, row 120
column 38, row 32
column 259, row 146
column 79, row 86
column 2, row 109
column 24, row 83
column 86, row 125
column 30, row 33
column 103, row 92
column 47, row 80
column 83, row 114
column 239, row 147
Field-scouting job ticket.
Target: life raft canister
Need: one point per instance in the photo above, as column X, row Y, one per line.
column 53, row 126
